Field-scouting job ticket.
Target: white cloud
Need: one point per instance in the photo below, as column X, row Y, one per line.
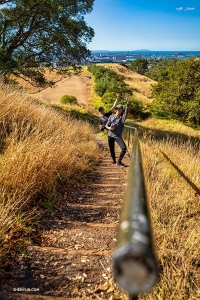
column 190, row 8
column 179, row 8
column 186, row 9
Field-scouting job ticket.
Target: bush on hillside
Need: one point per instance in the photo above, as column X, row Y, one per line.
column 68, row 99
column 136, row 108
column 107, row 80
column 109, row 97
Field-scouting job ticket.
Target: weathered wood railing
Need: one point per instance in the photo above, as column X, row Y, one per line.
column 134, row 262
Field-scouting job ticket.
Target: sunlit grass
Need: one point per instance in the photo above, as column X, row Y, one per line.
column 40, row 149
column 174, row 192
column 171, row 170
column 169, row 125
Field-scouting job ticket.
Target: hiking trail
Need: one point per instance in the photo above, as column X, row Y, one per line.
column 71, row 258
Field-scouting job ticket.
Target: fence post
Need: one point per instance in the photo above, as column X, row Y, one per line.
column 134, row 263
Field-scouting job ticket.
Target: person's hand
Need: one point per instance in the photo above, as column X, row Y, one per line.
column 118, row 95
column 127, row 98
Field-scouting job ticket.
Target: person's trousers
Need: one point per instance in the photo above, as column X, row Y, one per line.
column 122, row 145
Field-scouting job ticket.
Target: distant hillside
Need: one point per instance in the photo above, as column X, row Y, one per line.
column 141, row 84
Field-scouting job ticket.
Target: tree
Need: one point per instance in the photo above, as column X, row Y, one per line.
column 35, row 32
column 140, row 65
column 178, row 91
column 155, row 67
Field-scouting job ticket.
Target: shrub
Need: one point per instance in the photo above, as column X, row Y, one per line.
column 68, row 99
column 136, row 108
column 109, row 97
column 107, row 80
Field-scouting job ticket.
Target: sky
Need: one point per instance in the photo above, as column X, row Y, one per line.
column 145, row 24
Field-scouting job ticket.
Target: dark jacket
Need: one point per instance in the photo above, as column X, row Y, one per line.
column 103, row 119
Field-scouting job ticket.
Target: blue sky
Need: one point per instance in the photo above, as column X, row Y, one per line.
column 145, row 24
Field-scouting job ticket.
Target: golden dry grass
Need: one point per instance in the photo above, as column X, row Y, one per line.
column 140, row 84
column 168, row 126
column 173, row 186
column 39, row 148
column 50, row 75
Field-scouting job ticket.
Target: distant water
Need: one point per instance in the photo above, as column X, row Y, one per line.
column 148, row 52
column 131, row 55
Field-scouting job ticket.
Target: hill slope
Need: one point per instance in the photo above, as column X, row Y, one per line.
column 81, row 87
column 141, row 84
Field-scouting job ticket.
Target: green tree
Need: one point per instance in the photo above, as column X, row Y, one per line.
column 178, row 91
column 140, row 65
column 35, row 32
column 155, row 67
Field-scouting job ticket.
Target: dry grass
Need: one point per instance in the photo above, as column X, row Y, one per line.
column 50, row 75
column 39, row 149
column 168, row 126
column 140, row 84
column 173, row 187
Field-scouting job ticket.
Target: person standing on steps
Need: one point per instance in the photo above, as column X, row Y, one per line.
column 105, row 115
column 115, row 125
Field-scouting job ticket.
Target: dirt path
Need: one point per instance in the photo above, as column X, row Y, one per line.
column 78, row 86
column 72, row 254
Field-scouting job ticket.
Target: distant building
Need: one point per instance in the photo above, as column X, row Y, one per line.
column 119, row 58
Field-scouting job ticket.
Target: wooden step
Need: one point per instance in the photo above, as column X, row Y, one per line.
column 66, row 222
column 70, row 252
column 94, row 206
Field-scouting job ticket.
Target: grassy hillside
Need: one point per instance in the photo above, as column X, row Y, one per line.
column 141, row 85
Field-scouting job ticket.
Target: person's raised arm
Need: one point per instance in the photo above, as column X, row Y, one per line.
column 127, row 99
column 116, row 101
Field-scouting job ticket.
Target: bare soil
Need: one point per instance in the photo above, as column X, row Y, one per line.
column 80, row 86
column 76, row 85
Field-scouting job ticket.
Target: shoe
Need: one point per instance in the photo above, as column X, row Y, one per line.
column 119, row 163
column 113, row 162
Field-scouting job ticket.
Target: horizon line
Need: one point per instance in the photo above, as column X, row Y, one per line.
column 143, row 50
